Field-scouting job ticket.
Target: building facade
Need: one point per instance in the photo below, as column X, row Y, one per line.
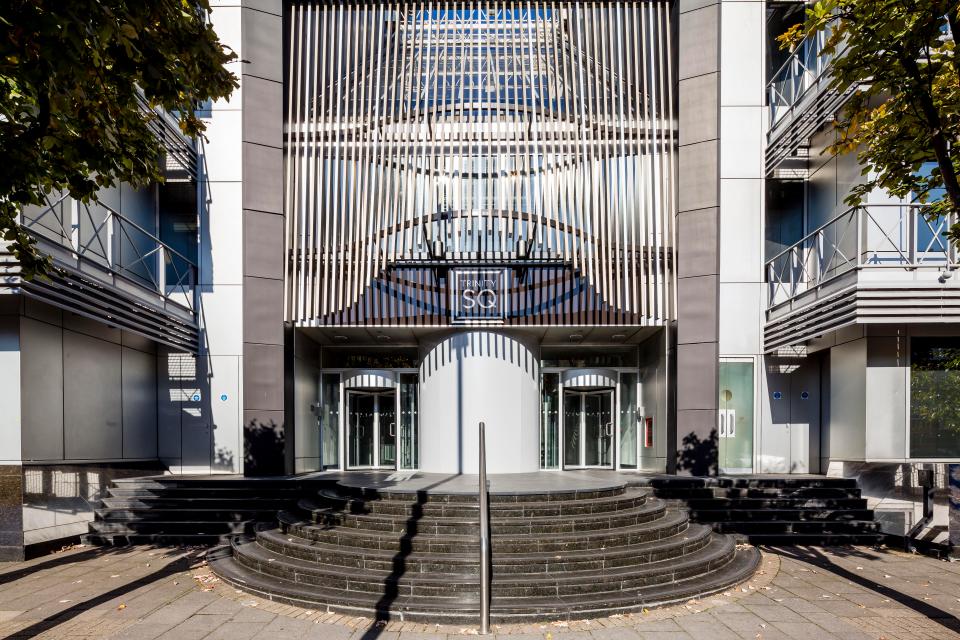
column 604, row 229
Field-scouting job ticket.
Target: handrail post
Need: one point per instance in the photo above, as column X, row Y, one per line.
column 484, row 537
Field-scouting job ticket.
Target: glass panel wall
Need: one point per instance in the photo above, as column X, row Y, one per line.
column 550, row 421
column 935, row 398
column 628, row 420
column 330, row 420
column 409, row 433
column 735, row 417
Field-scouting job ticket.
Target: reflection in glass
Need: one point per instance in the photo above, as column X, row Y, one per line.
column 409, row 432
column 387, row 428
column 330, row 420
column 571, row 429
column 588, row 428
column 935, row 398
column 550, row 421
column 361, row 425
column 628, row 420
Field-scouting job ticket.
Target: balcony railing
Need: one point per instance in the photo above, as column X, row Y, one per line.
column 800, row 74
column 95, row 239
column 875, row 236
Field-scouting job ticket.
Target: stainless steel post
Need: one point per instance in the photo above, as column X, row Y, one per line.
column 484, row 537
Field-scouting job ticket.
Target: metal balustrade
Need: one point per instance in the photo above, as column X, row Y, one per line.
column 872, row 236
column 84, row 235
column 799, row 74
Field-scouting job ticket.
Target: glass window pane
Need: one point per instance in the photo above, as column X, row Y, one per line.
column 735, row 417
column 330, row 420
column 628, row 420
column 935, row 398
column 550, row 421
column 409, row 429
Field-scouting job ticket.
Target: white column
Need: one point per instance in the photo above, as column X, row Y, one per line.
column 477, row 376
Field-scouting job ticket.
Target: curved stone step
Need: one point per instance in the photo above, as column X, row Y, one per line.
column 463, row 607
column 692, row 539
column 399, row 579
column 670, row 524
column 646, row 512
column 630, row 498
column 366, row 493
column 149, row 514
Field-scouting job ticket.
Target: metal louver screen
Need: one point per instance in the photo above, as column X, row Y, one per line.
column 538, row 136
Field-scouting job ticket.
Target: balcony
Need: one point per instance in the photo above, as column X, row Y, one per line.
column 877, row 263
column 800, row 100
column 113, row 270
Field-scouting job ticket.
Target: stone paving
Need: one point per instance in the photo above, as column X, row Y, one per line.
column 800, row 593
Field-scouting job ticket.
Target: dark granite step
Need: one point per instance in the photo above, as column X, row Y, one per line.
column 150, row 514
column 782, row 515
column 499, row 524
column 751, row 482
column 794, row 493
column 833, row 527
column 363, row 493
column 670, row 524
column 237, row 502
column 630, row 498
column 776, row 503
column 463, row 608
column 400, row 580
column 695, row 537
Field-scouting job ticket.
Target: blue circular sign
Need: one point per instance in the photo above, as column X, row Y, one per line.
column 804, row 395
column 777, row 395
column 196, row 397
column 223, row 397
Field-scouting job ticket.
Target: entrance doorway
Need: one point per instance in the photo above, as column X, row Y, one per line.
column 588, row 429
column 371, row 429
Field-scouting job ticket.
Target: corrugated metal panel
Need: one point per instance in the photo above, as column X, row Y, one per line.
column 864, row 304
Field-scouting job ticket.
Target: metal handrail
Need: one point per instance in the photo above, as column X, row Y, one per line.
column 99, row 245
column 866, row 236
column 484, row 536
column 799, row 73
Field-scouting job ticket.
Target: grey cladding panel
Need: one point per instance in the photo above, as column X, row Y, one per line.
column 92, row 390
column 139, row 404
column 41, row 370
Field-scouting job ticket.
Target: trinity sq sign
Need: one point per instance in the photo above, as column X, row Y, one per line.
column 478, row 296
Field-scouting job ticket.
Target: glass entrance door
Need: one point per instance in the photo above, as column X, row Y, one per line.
column 588, row 428
column 371, row 430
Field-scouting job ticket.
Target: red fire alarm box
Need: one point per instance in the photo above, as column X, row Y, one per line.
column 648, row 431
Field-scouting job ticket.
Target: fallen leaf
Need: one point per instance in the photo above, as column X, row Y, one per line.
column 121, row 607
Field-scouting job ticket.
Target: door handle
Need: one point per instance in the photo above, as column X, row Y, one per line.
column 608, row 429
column 392, row 429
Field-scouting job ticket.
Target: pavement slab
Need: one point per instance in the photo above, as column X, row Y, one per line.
column 799, row 593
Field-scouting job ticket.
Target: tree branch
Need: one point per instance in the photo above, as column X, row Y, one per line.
column 938, row 140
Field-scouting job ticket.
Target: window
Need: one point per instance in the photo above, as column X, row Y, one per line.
column 935, row 398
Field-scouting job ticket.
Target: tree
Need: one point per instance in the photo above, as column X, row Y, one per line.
column 903, row 119
column 70, row 76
